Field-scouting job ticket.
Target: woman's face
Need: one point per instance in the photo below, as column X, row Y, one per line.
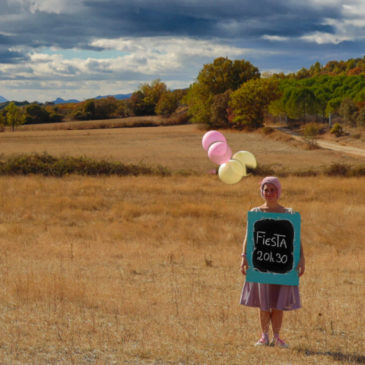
column 270, row 192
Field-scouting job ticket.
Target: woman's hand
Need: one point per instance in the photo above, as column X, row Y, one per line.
column 244, row 265
column 301, row 266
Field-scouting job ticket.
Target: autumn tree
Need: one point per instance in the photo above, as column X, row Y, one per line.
column 169, row 102
column 136, row 105
column 214, row 79
column 151, row 95
column 220, row 110
column 250, row 102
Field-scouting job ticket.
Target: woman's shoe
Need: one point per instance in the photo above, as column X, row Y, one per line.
column 263, row 341
column 278, row 342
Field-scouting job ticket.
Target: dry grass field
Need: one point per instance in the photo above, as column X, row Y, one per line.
column 145, row 270
column 175, row 147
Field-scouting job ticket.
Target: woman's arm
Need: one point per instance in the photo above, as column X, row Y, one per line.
column 244, row 262
column 301, row 263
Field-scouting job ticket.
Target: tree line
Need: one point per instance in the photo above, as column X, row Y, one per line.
column 227, row 94
column 233, row 94
column 150, row 99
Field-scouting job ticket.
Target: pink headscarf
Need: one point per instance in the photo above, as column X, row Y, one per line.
column 270, row 180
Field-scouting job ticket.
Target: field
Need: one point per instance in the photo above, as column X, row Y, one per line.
column 145, row 270
column 176, row 147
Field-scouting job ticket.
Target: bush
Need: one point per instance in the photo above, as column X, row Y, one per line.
column 312, row 130
column 338, row 169
column 267, row 130
column 337, row 130
column 47, row 165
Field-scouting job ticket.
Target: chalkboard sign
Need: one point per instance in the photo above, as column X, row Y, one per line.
column 273, row 247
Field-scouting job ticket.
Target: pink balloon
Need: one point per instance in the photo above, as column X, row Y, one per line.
column 219, row 152
column 211, row 137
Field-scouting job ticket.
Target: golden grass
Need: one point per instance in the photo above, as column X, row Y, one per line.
column 176, row 147
column 145, row 270
column 153, row 120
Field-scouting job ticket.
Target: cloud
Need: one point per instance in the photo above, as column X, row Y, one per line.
column 67, row 46
column 152, row 56
column 323, row 38
column 275, row 38
column 348, row 26
column 46, row 6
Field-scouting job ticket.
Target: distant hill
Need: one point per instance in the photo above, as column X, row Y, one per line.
column 117, row 96
column 62, row 101
column 2, row 100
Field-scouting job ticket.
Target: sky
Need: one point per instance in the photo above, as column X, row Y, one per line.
column 80, row 49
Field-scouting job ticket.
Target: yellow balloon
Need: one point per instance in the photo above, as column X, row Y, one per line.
column 246, row 158
column 231, row 172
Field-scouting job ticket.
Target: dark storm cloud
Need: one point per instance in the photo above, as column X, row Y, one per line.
column 208, row 18
column 203, row 19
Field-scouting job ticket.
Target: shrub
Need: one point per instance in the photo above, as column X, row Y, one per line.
column 312, row 130
column 310, row 133
column 267, row 130
column 47, row 165
column 337, row 130
column 338, row 169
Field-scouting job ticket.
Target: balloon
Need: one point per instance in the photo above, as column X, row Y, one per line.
column 246, row 158
column 210, row 137
column 219, row 152
column 231, row 172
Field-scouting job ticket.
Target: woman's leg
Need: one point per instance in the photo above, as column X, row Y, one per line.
column 264, row 321
column 276, row 321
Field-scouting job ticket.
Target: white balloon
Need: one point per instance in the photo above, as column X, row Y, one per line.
column 231, row 172
column 245, row 158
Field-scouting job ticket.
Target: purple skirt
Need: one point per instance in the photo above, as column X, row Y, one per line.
column 270, row 296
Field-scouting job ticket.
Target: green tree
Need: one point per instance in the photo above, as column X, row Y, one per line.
column 250, row 102
column 89, row 109
column 301, row 103
column 277, row 108
column 348, row 111
column 2, row 121
column 14, row 116
column 105, row 107
column 199, row 100
column 322, row 97
column 34, row 113
column 361, row 117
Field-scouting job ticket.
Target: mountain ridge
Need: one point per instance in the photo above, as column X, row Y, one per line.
column 60, row 100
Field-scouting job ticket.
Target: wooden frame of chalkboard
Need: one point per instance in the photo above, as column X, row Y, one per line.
column 273, row 247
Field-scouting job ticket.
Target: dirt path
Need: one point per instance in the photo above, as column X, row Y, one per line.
column 327, row 144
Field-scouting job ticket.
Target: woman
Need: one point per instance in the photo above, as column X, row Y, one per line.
column 271, row 299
